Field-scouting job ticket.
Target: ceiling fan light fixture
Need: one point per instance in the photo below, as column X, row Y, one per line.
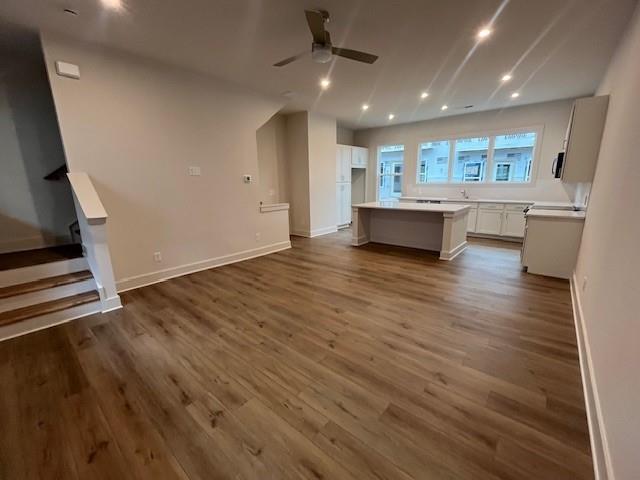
column 321, row 53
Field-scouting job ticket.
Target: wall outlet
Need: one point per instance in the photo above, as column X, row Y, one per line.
column 257, row 236
column 194, row 171
column 247, row 179
column 157, row 257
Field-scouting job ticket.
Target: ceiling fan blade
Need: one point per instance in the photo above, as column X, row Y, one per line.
column 354, row 55
column 287, row 61
column 316, row 19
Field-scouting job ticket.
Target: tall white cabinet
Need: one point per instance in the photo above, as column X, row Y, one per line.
column 343, row 185
column 349, row 157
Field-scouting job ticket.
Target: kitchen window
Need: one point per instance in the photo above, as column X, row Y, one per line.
column 500, row 158
column 433, row 166
column 470, row 159
column 390, row 171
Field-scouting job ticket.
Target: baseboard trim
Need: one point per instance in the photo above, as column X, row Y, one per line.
column 597, row 435
column 323, row 231
column 314, row 233
column 453, row 253
column 146, row 279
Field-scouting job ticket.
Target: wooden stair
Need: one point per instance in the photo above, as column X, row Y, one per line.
column 45, row 287
column 45, row 283
column 13, row 316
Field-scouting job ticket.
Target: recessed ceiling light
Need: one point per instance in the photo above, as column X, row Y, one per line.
column 112, row 4
column 324, row 83
column 443, row 107
column 391, row 116
column 506, row 77
column 515, row 95
column 365, row 107
column 424, row 95
column 484, row 33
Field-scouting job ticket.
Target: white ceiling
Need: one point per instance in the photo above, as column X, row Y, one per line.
column 556, row 48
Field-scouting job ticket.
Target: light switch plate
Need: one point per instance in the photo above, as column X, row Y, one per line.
column 247, row 178
column 65, row 69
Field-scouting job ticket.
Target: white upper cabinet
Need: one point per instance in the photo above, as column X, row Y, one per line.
column 582, row 143
column 359, row 157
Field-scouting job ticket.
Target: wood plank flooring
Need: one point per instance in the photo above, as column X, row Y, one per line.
column 320, row 362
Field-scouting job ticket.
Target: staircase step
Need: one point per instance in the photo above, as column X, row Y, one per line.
column 44, row 283
column 33, row 273
column 27, row 258
column 24, row 313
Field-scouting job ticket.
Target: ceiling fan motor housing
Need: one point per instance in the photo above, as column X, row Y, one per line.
column 321, row 53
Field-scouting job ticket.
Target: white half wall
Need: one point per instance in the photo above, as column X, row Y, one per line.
column 552, row 116
column 135, row 126
column 322, row 173
column 272, row 167
column 297, row 161
column 607, row 271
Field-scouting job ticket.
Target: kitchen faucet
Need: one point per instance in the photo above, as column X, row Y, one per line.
column 464, row 194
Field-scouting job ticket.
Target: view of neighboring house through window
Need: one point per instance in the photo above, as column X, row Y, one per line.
column 390, row 169
column 505, row 158
column 470, row 159
column 433, row 166
column 513, row 156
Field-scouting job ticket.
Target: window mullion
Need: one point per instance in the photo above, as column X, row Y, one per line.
column 488, row 177
column 452, row 152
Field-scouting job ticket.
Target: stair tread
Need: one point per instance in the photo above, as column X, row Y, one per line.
column 44, row 283
column 27, row 258
column 24, row 313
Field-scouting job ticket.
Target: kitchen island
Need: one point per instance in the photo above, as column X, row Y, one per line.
column 428, row 226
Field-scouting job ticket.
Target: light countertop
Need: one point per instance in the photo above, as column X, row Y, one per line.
column 470, row 200
column 414, row 207
column 580, row 215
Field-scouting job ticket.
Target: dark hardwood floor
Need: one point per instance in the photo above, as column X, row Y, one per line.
column 321, row 362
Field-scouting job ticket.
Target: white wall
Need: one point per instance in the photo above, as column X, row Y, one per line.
column 344, row 136
column 297, row 161
column 272, row 166
column 135, row 126
column 322, row 173
column 33, row 212
column 609, row 262
column 552, row 116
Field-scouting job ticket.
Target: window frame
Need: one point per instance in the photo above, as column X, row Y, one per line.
column 489, row 165
column 393, row 175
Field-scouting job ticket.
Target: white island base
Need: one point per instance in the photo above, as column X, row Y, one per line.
column 435, row 227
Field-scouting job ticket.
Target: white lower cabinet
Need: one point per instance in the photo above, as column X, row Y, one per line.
column 343, row 203
column 472, row 219
column 489, row 221
column 513, row 224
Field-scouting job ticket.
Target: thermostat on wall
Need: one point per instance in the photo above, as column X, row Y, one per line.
column 70, row 70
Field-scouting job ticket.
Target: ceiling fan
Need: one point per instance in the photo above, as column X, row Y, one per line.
column 321, row 49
